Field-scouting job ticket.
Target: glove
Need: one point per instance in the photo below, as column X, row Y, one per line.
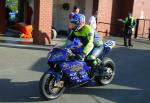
column 80, row 56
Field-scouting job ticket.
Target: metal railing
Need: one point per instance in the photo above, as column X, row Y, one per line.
column 142, row 28
column 115, row 28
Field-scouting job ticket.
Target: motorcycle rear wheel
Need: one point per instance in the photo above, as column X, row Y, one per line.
column 47, row 88
column 108, row 72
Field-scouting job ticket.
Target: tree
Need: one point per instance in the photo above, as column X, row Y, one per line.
column 13, row 5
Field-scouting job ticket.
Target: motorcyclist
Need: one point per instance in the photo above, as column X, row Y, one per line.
column 92, row 43
column 129, row 26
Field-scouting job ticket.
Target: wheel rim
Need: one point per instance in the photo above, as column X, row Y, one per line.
column 52, row 88
column 48, row 87
column 107, row 75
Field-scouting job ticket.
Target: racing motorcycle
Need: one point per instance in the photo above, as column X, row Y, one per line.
column 65, row 71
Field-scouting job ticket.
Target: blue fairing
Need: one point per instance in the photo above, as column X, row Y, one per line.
column 50, row 70
column 78, row 50
column 57, row 75
column 76, row 71
column 57, row 55
column 108, row 46
column 62, row 61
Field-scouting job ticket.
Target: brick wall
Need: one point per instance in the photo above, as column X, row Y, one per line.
column 120, row 9
column 45, row 20
column 141, row 11
column 141, row 5
column 116, row 12
column 2, row 17
column 104, row 15
column 42, row 21
column 110, row 11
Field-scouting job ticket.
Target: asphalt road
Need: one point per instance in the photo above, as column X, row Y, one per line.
column 21, row 67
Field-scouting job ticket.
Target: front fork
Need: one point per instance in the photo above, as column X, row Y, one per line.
column 58, row 78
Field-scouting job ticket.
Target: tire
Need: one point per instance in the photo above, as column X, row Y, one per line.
column 47, row 89
column 108, row 72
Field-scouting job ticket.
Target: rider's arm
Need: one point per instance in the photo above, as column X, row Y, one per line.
column 71, row 36
column 69, row 40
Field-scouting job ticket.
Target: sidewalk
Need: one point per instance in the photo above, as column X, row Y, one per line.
column 27, row 42
column 138, row 43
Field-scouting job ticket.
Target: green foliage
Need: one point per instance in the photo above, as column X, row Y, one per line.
column 12, row 4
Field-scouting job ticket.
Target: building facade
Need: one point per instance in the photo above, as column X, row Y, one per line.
column 48, row 13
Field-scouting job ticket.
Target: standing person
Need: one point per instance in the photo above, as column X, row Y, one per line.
column 29, row 14
column 8, row 11
column 92, row 20
column 75, row 10
column 129, row 26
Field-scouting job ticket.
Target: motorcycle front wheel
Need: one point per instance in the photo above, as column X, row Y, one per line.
column 107, row 72
column 47, row 88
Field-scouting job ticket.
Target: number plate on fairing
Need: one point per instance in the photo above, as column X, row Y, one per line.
column 110, row 44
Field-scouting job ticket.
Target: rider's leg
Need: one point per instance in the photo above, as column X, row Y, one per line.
column 93, row 56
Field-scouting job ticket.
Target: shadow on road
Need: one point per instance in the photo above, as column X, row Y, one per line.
column 28, row 92
column 19, row 91
column 113, row 95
